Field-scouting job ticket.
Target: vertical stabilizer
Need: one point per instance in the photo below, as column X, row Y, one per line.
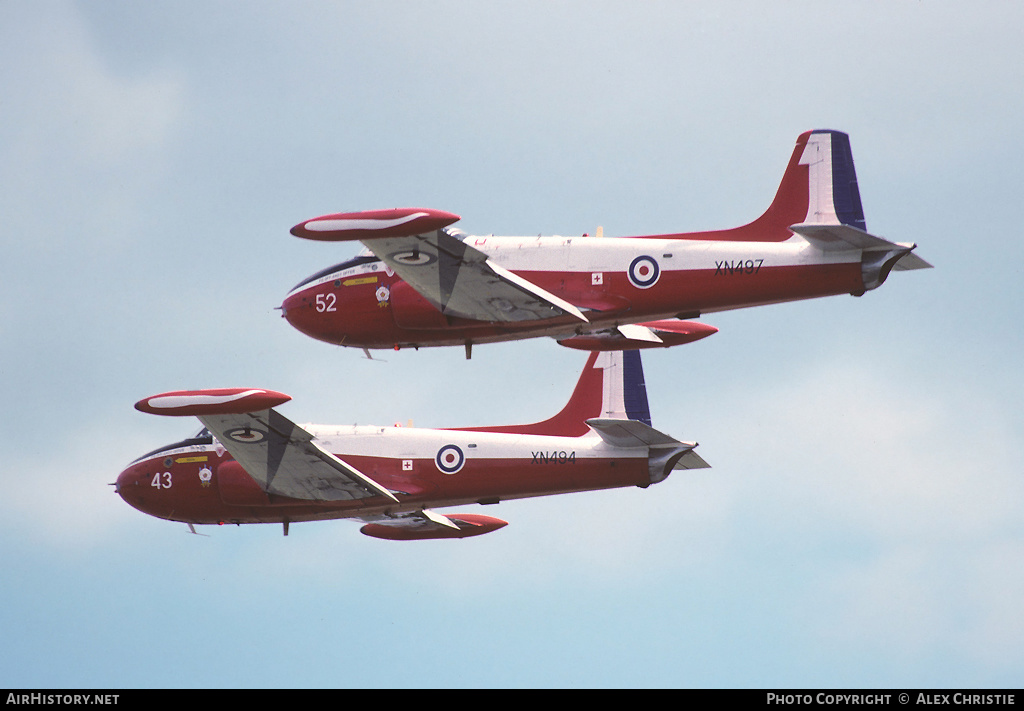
column 625, row 419
column 624, row 392
column 819, row 186
column 833, row 197
column 835, row 216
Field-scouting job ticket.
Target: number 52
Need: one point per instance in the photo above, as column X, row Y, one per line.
column 325, row 302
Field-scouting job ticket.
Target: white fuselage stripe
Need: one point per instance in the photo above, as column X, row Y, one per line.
column 588, row 255
column 417, row 443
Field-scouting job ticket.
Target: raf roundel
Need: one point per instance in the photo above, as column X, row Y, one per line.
column 643, row 272
column 246, row 435
column 449, row 459
column 414, row 258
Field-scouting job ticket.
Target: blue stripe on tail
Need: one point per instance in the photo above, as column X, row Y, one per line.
column 845, row 193
column 634, row 390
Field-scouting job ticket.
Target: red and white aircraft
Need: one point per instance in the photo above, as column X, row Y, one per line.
column 422, row 283
column 251, row 464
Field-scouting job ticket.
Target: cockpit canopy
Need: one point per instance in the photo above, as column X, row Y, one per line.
column 203, row 436
column 365, row 256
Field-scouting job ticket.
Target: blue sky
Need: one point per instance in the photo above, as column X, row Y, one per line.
column 861, row 524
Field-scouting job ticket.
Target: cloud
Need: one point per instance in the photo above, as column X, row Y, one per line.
column 873, row 448
column 895, row 508
column 72, row 98
column 58, row 497
column 81, row 140
column 910, row 604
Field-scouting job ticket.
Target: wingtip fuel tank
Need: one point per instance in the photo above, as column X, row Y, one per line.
column 374, row 224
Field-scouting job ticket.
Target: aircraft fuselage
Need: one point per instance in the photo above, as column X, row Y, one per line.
column 614, row 281
column 196, row 481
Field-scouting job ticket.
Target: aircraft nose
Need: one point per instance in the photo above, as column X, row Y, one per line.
column 296, row 309
column 125, row 482
column 129, row 486
column 307, row 315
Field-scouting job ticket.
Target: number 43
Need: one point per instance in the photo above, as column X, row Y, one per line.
column 162, row 481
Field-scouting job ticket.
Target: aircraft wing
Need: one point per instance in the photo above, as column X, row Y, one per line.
column 455, row 277
column 279, row 455
column 461, row 281
column 284, row 459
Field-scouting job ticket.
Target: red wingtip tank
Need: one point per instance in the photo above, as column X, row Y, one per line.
column 469, row 525
column 219, row 401
column 671, row 332
column 368, row 224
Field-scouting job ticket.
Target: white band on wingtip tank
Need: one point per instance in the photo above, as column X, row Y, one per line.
column 167, row 402
column 343, row 225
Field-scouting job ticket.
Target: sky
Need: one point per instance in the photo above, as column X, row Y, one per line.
column 861, row 525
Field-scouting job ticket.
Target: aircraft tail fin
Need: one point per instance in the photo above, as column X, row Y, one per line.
column 834, row 219
column 818, row 187
column 611, row 386
column 833, row 197
column 623, row 391
column 821, row 177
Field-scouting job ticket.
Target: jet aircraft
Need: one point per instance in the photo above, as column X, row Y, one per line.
column 251, row 464
column 422, row 283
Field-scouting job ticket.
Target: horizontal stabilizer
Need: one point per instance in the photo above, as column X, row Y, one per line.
column 835, row 237
column 829, row 237
column 838, row 237
column 631, row 433
column 691, row 460
column 911, row 261
column 666, row 453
